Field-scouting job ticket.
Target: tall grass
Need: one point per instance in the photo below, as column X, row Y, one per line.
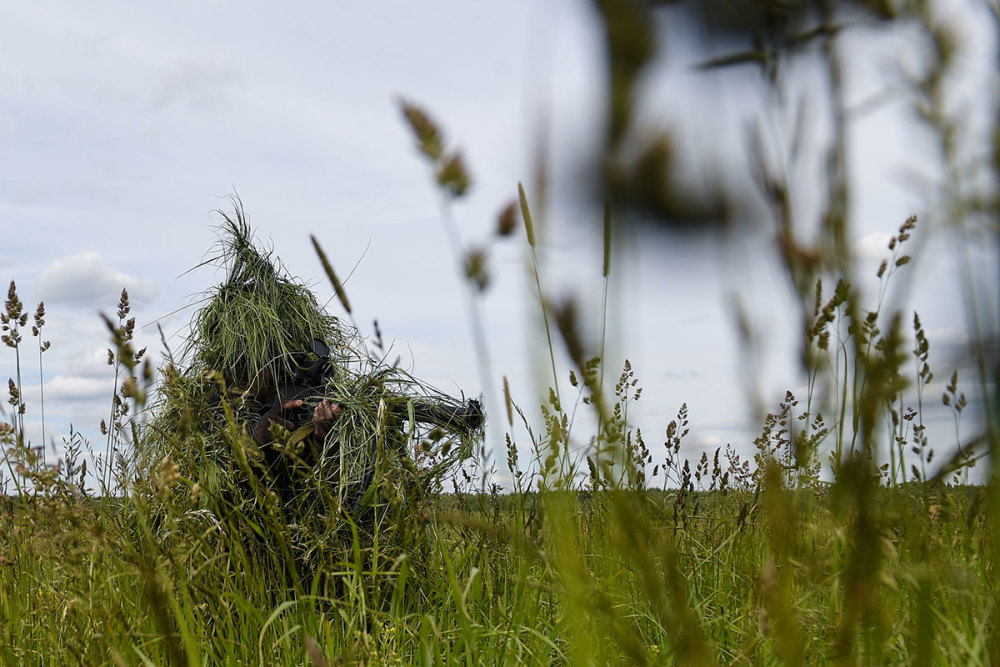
column 635, row 556
column 844, row 538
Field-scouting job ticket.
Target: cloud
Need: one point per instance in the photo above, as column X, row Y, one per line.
column 74, row 388
column 709, row 441
column 872, row 246
column 91, row 365
column 85, row 281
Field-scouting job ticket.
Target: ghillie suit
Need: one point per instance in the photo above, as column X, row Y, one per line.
column 259, row 340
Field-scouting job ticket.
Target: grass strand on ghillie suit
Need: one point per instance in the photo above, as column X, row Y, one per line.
column 393, row 444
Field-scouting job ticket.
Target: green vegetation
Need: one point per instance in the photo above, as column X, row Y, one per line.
column 196, row 559
column 251, row 349
column 844, row 540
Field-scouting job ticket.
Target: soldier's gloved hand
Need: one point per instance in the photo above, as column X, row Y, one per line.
column 323, row 417
column 262, row 431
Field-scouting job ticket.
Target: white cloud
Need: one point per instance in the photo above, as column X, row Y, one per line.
column 76, row 388
column 872, row 246
column 709, row 441
column 84, row 280
column 91, row 365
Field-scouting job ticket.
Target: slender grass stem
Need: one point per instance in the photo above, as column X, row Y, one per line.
column 41, row 390
column 536, row 274
column 605, row 273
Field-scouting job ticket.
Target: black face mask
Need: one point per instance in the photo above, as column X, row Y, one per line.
column 311, row 371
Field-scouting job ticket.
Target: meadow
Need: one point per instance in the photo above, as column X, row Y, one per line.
column 628, row 553
column 848, row 535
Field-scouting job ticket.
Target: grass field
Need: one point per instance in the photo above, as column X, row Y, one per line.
column 752, row 577
column 847, row 536
column 638, row 556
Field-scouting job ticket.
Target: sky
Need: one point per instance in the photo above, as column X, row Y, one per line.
column 124, row 126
